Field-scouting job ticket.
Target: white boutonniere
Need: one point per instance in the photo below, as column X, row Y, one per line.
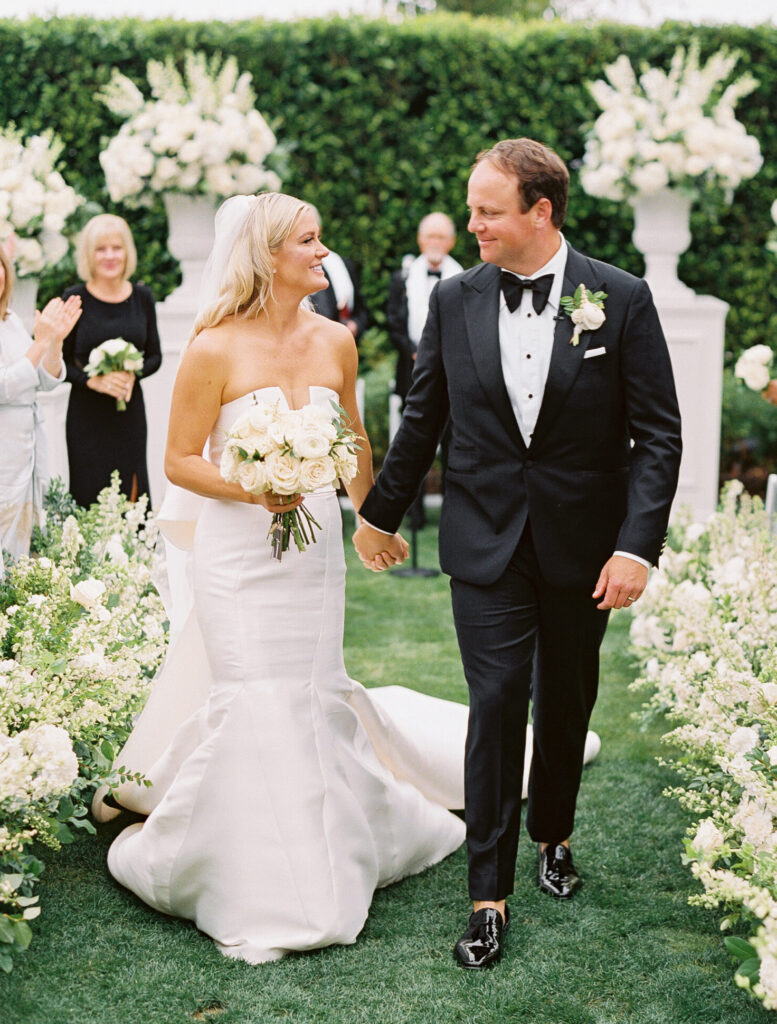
column 585, row 309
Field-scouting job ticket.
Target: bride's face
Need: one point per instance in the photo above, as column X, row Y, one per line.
column 298, row 261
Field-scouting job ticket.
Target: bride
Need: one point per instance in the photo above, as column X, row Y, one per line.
column 289, row 793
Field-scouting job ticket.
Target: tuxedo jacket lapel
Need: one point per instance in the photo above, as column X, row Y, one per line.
column 481, row 315
column 566, row 358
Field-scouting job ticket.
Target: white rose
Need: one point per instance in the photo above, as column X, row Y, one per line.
column 252, row 477
column 309, row 443
column 592, row 316
column 113, row 346
column 283, row 473
column 88, row 592
column 315, row 473
column 755, row 375
column 346, row 464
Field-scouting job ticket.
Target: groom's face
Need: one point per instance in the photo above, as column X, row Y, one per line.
column 505, row 234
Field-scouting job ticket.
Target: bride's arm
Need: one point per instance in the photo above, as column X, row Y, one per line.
column 195, row 407
column 358, row 488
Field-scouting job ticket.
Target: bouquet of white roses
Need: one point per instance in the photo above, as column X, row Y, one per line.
column 35, row 200
column 290, row 452
column 200, row 134
column 668, row 128
column 752, row 367
column 114, row 354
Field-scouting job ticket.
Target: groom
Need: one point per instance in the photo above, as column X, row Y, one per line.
column 564, row 456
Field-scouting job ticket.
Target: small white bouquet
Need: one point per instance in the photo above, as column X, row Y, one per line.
column 669, row 129
column 199, row 134
column 114, row 354
column 35, row 200
column 752, row 367
column 290, row 451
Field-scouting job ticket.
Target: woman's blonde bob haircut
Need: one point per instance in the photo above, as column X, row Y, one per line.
column 246, row 282
column 94, row 231
column 7, row 292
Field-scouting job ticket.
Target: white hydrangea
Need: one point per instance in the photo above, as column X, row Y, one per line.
column 200, row 133
column 36, row 201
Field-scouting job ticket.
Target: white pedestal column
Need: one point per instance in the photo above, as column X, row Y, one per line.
column 191, row 226
column 694, row 328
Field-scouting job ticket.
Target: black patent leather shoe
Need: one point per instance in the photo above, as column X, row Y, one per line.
column 558, row 875
column 481, row 944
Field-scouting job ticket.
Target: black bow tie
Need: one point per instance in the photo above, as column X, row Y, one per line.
column 513, row 287
column 434, row 273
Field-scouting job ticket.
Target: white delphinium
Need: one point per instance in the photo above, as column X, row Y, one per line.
column 668, row 128
column 199, row 134
column 35, row 200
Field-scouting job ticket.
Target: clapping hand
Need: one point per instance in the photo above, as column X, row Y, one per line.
column 379, row 551
column 56, row 320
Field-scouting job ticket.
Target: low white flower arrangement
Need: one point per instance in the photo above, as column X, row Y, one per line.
column 82, row 633
column 199, row 134
column 669, row 129
column 704, row 630
column 35, row 200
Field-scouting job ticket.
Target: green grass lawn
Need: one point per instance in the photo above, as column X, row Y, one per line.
column 627, row 950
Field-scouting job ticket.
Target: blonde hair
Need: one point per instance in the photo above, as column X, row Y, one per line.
column 93, row 233
column 245, row 288
column 7, row 292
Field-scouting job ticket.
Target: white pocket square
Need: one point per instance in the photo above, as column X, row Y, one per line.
column 592, row 352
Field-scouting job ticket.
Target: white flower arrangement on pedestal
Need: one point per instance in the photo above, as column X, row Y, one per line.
column 35, row 200
column 669, row 129
column 200, row 134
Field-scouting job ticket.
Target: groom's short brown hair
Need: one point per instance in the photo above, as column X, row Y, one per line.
column 541, row 173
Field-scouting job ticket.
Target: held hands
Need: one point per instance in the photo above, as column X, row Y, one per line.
column 117, row 384
column 620, row 583
column 379, row 551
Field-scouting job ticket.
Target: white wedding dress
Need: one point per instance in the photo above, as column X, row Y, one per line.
column 291, row 793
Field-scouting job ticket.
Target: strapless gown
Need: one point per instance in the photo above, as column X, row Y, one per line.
column 284, row 793
column 293, row 793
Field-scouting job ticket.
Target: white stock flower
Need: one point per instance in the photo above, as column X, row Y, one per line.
column 769, row 691
column 708, row 837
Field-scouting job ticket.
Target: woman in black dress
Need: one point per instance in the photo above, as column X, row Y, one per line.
column 100, row 438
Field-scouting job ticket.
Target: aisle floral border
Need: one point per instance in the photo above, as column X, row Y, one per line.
column 705, row 636
column 82, row 631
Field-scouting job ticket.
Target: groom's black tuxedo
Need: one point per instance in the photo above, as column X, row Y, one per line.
column 598, row 476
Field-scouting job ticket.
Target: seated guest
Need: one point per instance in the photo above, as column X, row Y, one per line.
column 101, row 437
column 27, row 366
column 342, row 300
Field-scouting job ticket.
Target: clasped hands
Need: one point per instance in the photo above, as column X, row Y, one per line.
column 117, row 384
column 379, row 551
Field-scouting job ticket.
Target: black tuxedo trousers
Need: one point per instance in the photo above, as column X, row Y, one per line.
column 521, row 638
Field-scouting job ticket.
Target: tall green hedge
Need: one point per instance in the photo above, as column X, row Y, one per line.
column 384, row 121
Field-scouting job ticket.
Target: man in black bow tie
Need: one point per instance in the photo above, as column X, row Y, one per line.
column 563, row 464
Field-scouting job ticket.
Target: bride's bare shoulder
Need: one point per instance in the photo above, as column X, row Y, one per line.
column 330, row 331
